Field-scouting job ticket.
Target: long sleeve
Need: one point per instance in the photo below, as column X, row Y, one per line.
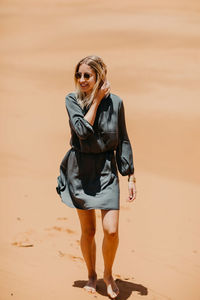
column 124, row 155
column 82, row 128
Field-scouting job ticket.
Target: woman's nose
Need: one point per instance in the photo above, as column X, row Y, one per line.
column 82, row 79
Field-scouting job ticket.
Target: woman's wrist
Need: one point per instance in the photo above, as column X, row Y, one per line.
column 96, row 101
column 131, row 178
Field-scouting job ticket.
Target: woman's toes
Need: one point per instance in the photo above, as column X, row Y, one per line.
column 111, row 292
column 91, row 285
column 112, row 288
column 90, row 289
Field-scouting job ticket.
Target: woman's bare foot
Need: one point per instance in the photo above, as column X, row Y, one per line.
column 91, row 285
column 112, row 288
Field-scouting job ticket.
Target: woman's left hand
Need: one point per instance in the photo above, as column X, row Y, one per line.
column 132, row 191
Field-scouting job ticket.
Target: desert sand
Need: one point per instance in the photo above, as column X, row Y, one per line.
column 152, row 50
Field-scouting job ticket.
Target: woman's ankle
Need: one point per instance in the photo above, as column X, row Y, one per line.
column 92, row 275
column 107, row 274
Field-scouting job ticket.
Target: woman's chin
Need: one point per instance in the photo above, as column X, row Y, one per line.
column 86, row 91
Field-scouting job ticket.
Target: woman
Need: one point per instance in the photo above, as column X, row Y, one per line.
column 88, row 173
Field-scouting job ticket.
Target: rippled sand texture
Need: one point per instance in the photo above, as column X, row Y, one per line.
column 152, row 49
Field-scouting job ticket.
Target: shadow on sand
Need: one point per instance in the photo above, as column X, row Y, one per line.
column 126, row 288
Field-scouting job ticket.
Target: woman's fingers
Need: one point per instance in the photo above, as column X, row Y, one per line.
column 104, row 90
column 106, row 85
column 132, row 191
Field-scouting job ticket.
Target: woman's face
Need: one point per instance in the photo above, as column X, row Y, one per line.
column 86, row 78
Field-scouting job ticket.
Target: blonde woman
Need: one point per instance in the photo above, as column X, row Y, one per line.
column 89, row 171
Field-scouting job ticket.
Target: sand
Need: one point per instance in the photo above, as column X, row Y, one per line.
column 152, row 52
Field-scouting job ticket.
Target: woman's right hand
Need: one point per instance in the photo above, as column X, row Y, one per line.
column 103, row 91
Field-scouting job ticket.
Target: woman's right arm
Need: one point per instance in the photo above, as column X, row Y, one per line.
column 82, row 124
column 81, row 127
column 91, row 114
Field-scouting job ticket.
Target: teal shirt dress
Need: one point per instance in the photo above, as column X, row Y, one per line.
column 89, row 171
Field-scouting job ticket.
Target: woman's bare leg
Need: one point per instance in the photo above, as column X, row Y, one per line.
column 110, row 221
column 88, row 228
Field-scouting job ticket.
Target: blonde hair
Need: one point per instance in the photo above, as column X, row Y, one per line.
column 100, row 69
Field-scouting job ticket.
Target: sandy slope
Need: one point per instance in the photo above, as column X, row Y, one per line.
column 152, row 52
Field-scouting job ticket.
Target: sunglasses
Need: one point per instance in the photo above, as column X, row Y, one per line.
column 86, row 76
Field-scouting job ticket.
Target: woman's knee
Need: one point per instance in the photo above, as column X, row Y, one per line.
column 89, row 232
column 111, row 233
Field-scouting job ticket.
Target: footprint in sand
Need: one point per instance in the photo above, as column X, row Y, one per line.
column 61, row 229
column 61, row 254
column 71, row 256
column 75, row 258
column 25, row 239
column 22, row 244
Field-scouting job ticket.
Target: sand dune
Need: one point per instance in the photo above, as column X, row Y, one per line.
column 152, row 52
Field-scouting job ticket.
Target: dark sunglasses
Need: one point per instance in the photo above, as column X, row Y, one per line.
column 86, row 76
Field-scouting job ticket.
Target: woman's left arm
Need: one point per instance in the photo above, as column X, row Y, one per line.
column 124, row 154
